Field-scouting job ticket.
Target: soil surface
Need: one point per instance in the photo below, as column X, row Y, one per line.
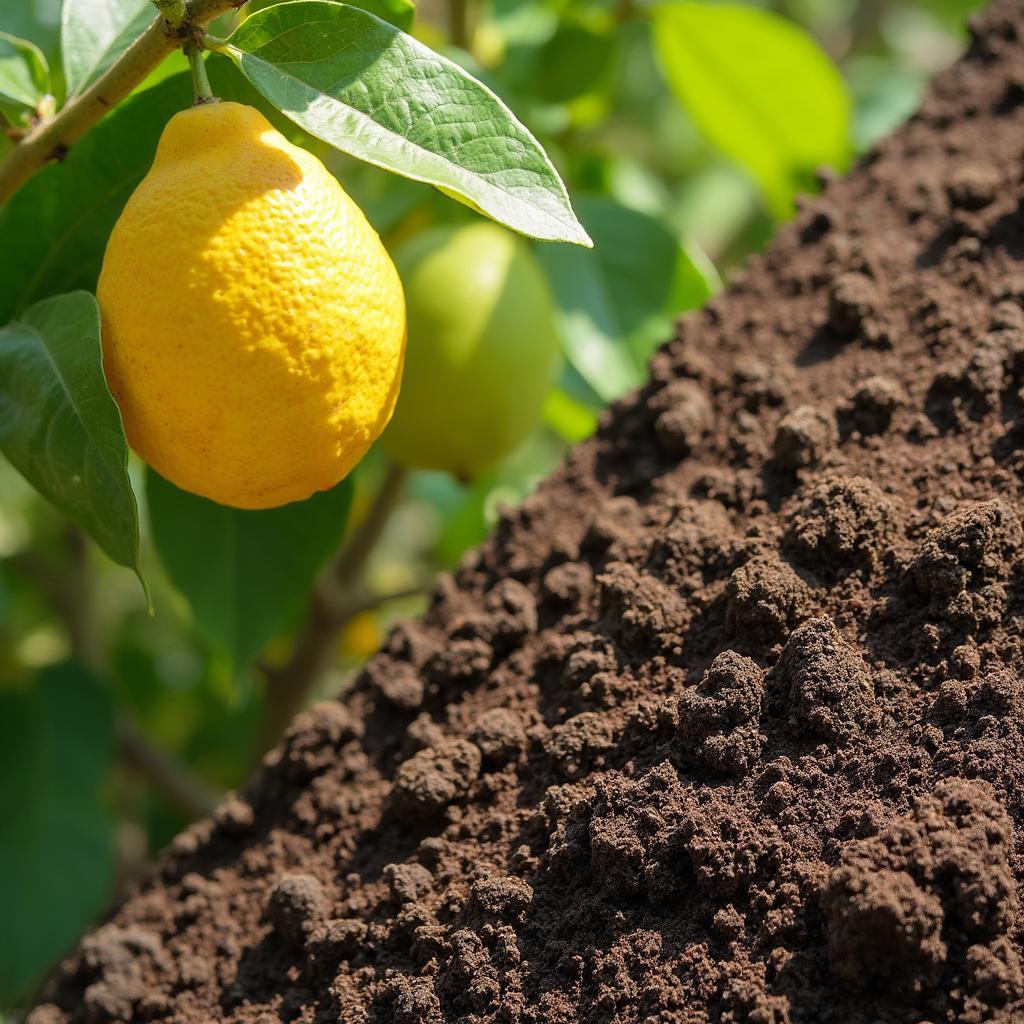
column 726, row 722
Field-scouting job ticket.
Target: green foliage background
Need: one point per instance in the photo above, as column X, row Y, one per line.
column 675, row 174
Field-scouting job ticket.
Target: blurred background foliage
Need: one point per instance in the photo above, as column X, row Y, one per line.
column 117, row 725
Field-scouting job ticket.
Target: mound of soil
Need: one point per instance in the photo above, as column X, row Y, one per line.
column 726, row 722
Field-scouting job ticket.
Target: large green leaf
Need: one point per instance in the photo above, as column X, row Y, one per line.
column 59, row 425
column 56, row 850
column 568, row 417
column 244, row 572
column 617, row 301
column 94, row 33
column 576, row 59
column 24, row 75
column 366, row 88
column 400, row 13
column 588, row 325
column 759, row 88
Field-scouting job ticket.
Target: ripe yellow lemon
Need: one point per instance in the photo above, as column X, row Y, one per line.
column 253, row 323
column 483, row 349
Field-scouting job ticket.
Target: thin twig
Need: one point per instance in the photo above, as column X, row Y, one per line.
column 180, row 787
column 368, row 602
column 349, row 565
column 331, row 608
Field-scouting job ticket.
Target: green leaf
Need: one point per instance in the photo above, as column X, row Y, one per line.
column 574, row 61
column 244, row 572
column 399, row 13
column 59, row 425
column 371, row 91
column 24, row 75
column 56, row 838
column 760, row 90
column 588, row 325
column 886, row 95
column 616, row 302
column 94, row 33
column 568, row 417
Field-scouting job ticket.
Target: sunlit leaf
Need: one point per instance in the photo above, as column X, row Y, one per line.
column 759, row 88
column 589, row 328
column 59, row 425
column 568, row 417
column 244, row 572
column 399, row 13
column 362, row 86
column 24, row 75
column 617, row 301
column 56, row 837
column 94, row 33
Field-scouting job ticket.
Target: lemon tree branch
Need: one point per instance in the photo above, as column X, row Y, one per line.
column 168, row 776
column 52, row 137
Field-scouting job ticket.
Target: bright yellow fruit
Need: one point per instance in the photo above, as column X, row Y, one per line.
column 253, row 324
column 483, row 349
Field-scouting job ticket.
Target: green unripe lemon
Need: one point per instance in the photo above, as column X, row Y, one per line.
column 482, row 349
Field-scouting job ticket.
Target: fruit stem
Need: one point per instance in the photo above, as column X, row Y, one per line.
column 200, row 79
column 51, row 137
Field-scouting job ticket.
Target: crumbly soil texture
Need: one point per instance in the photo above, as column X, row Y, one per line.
column 723, row 724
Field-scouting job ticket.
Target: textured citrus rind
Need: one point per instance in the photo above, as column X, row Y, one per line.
column 253, row 323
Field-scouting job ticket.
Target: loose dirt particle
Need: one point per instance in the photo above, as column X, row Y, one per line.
column 765, row 600
column 936, row 877
column 826, row 686
column 804, row 437
column 872, row 406
column 686, row 415
column 852, row 302
column 841, row 522
column 719, row 719
column 974, row 186
column 434, row 778
column 295, row 904
column 499, row 734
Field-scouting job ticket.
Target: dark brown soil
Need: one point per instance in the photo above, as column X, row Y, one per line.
column 726, row 723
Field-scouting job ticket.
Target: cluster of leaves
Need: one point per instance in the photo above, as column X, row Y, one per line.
column 759, row 107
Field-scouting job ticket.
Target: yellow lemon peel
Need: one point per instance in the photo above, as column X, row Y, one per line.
column 253, row 323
